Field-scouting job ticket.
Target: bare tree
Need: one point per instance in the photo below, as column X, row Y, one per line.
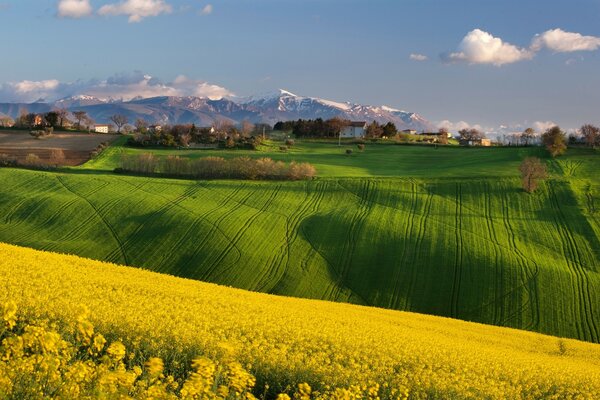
column 63, row 116
column 141, row 125
column 443, row 135
column 246, row 128
column 79, row 116
column 527, row 136
column 119, row 120
column 6, row 121
column 532, row 171
column 591, row 134
column 471, row 135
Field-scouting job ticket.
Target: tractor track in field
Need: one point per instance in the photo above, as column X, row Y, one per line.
column 528, row 281
column 573, row 259
column 199, row 217
column 76, row 231
column 9, row 215
column 108, row 226
column 420, row 237
column 459, row 256
column 395, row 297
column 350, row 244
column 499, row 291
column 292, row 232
column 240, row 233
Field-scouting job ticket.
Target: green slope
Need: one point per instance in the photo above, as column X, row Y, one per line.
column 383, row 160
column 475, row 248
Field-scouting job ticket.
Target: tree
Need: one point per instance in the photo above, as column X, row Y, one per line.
column 79, row 116
column 527, row 136
column 63, row 117
column 389, row 129
column 555, row 141
column 443, row 135
column 374, row 130
column 591, row 134
column 6, row 121
column 246, row 128
column 470, row 135
column 532, row 171
column 51, row 118
column 141, row 125
column 119, row 120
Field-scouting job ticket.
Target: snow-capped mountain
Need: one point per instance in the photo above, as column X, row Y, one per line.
column 281, row 105
column 78, row 101
column 284, row 105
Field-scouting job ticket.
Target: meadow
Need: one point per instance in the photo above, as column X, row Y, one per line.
column 450, row 234
column 136, row 334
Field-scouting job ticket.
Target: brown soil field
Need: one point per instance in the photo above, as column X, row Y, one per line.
column 76, row 147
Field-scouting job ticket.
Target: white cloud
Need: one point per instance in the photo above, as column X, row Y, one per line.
column 418, row 57
column 74, row 8
column 457, row 126
column 123, row 86
column 560, row 41
column 480, row 47
column 206, row 10
column 137, row 9
column 542, row 126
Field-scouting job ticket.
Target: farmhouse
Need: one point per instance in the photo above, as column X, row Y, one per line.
column 355, row 129
column 102, row 128
column 409, row 131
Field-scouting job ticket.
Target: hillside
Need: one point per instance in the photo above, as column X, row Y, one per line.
column 286, row 341
column 459, row 239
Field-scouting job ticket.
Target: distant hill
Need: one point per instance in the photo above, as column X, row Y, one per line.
column 279, row 106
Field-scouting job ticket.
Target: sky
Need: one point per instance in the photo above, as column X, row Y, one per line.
column 482, row 63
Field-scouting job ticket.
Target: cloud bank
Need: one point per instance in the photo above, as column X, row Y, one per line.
column 480, row 47
column 118, row 87
column 74, row 8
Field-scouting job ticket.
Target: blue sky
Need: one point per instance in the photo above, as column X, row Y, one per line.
column 348, row 50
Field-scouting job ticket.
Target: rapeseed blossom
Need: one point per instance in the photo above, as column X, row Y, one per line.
column 146, row 335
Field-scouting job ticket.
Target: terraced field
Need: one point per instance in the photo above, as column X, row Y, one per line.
column 475, row 248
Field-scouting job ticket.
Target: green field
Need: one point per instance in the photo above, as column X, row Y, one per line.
column 444, row 231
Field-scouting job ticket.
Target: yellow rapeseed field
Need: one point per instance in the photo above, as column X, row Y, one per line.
column 147, row 329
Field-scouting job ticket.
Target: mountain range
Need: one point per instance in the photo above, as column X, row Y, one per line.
column 270, row 108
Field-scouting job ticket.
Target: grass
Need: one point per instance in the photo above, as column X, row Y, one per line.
column 377, row 160
column 340, row 350
column 474, row 248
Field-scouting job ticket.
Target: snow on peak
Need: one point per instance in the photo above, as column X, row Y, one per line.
column 335, row 104
column 283, row 92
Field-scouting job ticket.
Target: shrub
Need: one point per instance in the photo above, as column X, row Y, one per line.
column 283, row 148
column 299, row 171
column 175, row 165
column 348, row 151
column 32, row 160
column 57, row 156
column 144, row 163
column 216, row 167
column 7, row 161
column 361, row 146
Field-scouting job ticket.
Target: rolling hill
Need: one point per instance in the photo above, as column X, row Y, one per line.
column 456, row 238
column 340, row 350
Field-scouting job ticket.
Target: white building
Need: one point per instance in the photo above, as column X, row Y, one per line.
column 102, row 128
column 356, row 129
